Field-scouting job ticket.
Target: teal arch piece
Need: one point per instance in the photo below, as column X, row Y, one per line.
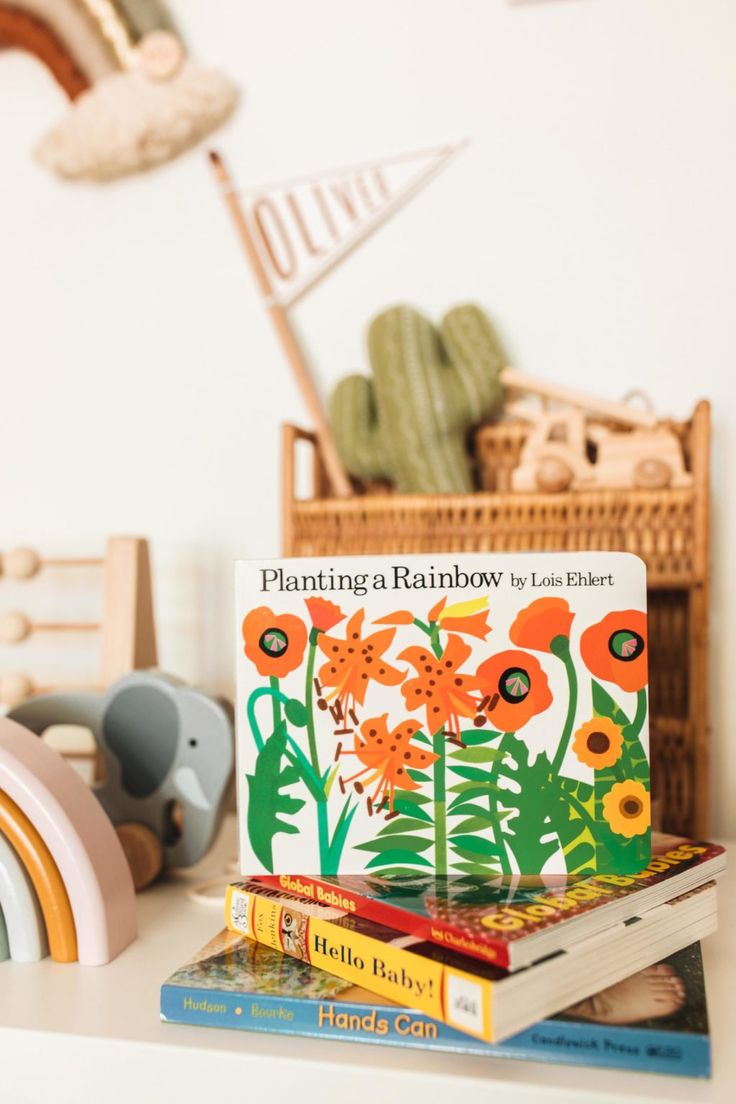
column 24, row 926
column 4, row 948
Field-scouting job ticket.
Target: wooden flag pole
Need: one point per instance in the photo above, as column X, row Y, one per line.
column 333, row 465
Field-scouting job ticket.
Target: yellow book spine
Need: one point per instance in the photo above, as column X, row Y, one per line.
column 459, row 999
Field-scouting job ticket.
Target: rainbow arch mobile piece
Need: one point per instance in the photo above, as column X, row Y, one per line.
column 18, row 902
column 46, row 807
column 47, row 882
column 136, row 99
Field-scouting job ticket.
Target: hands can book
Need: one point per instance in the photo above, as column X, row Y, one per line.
column 654, row 1021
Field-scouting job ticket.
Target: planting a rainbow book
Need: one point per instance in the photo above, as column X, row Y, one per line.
column 479, row 715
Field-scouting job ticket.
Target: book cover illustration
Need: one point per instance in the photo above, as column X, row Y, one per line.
column 656, row 1020
column 484, row 715
column 488, row 918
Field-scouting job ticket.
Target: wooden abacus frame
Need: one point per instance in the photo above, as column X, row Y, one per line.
column 126, row 629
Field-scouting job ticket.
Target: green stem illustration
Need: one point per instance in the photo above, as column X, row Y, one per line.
column 640, row 715
column 493, row 810
column 440, row 802
column 560, row 647
column 439, row 747
column 309, row 702
column 323, row 828
column 275, row 701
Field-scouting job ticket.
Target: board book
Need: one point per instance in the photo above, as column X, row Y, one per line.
column 513, row 921
column 467, row 994
column 655, row 1021
column 478, row 714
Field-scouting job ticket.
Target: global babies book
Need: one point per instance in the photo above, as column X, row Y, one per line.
column 474, row 715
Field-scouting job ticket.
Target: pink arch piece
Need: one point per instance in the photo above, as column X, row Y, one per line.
column 79, row 836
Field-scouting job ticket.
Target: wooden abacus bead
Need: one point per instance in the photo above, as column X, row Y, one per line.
column 22, row 563
column 15, row 688
column 14, row 627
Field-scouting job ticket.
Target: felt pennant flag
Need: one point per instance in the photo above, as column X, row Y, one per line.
column 302, row 228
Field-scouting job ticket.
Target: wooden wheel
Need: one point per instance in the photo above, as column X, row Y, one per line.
column 553, row 474
column 652, row 474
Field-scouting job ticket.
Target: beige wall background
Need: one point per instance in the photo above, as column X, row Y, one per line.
column 592, row 215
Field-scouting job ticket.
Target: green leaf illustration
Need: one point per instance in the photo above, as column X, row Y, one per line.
column 403, row 824
column 530, row 833
column 267, row 804
column 410, row 844
column 477, row 755
column 473, row 736
column 296, row 713
column 398, row 856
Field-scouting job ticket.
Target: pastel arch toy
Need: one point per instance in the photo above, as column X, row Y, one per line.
column 67, row 818
column 47, row 881
column 20, row 906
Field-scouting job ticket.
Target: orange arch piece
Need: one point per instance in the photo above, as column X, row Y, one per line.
column 44, row 873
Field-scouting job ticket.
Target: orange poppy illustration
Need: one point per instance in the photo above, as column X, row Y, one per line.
column 626, row 808
column 274, row 643
column 439, row 687
column 386, row 757
column 324, row 614
column 615, row 649
column 540, row 623
column 515, row 688
column 356, row 661
column 598, row 743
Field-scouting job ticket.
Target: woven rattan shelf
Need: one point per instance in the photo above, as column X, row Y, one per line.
column 669, row 529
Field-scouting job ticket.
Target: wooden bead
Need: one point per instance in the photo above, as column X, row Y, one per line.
column 652, row 474
column 21, row 563
column 15, row 688
column 161, row 55
column 14, row 627
column 143, row 850
column 553, row 474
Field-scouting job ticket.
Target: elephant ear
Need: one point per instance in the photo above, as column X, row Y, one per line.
column 140, row 728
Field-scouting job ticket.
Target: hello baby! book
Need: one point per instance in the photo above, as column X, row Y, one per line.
column 466, row 714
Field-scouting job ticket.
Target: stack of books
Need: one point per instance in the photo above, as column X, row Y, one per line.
column 460, row 744
column 601, row 971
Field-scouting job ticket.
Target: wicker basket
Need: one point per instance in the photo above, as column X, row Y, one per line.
column 669, row 529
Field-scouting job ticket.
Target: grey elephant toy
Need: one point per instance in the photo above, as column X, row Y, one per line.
column 168, row 755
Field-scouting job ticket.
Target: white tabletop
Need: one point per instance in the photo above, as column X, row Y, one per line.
column 76, row 1034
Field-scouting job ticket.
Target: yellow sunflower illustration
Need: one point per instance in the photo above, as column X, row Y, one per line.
column 598, row 743
column 626, row 808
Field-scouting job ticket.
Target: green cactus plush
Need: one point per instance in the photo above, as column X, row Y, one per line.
column 410, row 423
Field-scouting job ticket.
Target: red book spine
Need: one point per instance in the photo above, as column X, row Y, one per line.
column 422, row 927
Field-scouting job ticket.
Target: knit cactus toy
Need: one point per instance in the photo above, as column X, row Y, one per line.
column 409, row 424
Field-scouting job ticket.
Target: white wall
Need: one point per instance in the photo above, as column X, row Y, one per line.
column 593, row 215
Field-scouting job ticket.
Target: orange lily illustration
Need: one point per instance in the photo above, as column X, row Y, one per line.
column 386, row 757
column 439, row 687
column 469, row 618
column 352, row 663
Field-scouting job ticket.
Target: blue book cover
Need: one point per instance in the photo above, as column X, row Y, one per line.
column 655, row 1021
